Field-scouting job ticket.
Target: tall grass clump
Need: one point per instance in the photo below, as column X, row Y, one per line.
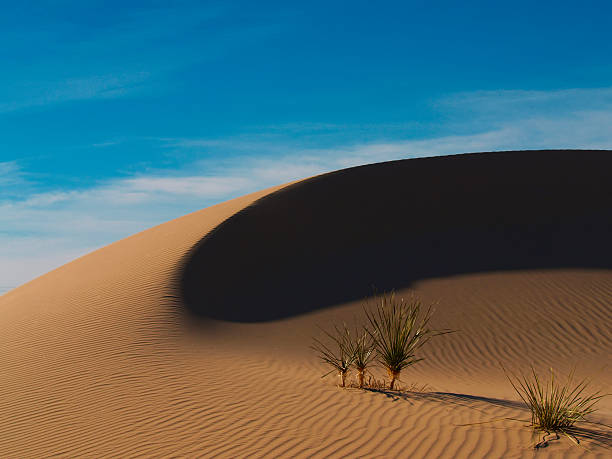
column 398, row 330
column 362, row 349
column 555, row 405
column 340, row 356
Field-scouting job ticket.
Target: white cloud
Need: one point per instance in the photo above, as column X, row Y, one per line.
column 197, row 186
column 496, row 109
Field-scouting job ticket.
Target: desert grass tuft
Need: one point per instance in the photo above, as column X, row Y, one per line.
column 398, row 330
column 556, row 406
column 340, row 356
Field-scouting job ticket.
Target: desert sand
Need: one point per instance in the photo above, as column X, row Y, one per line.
column 191, row 338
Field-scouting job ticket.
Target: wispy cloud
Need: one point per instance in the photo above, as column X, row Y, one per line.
column 133, row 49
column 109, row 143
column 9, row 172
column 27, row 257
column 516, row 102
column 196, row 186
column 93, row 87
column 13, row 181
column 542, row 117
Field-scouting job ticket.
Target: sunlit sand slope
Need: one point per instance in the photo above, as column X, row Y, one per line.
column 191, row 338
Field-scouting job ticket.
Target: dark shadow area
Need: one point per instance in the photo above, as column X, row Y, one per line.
column 329, row 239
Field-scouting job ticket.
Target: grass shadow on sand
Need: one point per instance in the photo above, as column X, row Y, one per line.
column 596, row 433
column 448, row 397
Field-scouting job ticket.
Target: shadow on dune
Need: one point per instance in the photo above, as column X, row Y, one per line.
column 330, row 239
column 469, row 401
column 599, row 434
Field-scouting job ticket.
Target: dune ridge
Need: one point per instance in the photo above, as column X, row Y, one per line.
column 103, row 357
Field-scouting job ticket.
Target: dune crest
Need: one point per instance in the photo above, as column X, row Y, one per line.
column 191, row 338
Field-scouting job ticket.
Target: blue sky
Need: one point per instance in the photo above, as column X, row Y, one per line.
column 116, row 116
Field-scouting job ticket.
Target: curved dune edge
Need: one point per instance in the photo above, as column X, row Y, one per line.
column 327, row 240
column 98, row 360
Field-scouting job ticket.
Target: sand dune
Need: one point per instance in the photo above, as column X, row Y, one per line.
column 191, row 338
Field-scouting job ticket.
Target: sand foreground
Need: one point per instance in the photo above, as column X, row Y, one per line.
column 191, row 339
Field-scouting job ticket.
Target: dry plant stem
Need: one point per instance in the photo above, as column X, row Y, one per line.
column 342, row 376
column 544, row 442
column 360, row 377
column 393, row 376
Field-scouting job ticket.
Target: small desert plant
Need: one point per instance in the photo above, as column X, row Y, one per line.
column 555, row 406
column 342, row 357
column 362, row 349
column 398, row 330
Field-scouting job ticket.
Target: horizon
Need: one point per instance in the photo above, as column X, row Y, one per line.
column 117, row 117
